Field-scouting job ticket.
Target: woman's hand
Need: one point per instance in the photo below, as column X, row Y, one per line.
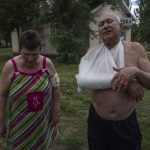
column 2, row 129
column 55, row 118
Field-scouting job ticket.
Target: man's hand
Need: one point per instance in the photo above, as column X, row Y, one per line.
column 124, row 75
column 135, row 91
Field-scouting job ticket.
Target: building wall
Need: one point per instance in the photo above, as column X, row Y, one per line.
column 128, row 34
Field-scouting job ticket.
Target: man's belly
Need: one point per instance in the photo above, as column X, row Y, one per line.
column 112, row 105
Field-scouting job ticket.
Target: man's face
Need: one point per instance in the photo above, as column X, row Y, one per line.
column 30, row 56
column 108, row 27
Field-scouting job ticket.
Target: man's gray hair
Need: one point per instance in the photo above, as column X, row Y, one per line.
column 116, row 17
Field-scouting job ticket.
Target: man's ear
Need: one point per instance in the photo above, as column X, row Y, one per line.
column 121, row 27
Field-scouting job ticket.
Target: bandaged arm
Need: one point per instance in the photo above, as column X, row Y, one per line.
column 55, row 80
column 57, row 97
column 56, row 92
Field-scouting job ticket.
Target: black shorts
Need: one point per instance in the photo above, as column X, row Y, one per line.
column 113, row 135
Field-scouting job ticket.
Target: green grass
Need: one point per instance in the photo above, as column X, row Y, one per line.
column 74, row 110
column 5, row 54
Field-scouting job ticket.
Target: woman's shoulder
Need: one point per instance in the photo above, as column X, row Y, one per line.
column 50, row 66
column 8, row 69
column 9, row 64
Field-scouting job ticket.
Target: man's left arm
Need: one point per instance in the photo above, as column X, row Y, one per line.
column 134, row 87
column 127, row 74
column 143, row 65
column 143, row 61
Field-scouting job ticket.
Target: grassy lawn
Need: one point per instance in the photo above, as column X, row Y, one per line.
column 74, row 110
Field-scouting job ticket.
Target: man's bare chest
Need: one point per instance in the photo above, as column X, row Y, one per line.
column 130, row 57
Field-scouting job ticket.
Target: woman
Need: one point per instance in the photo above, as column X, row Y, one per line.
column 29, row 86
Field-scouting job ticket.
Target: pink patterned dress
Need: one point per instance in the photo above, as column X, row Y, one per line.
column 30, row 106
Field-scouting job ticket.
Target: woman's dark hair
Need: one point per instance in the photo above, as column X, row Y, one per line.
column 30, row 39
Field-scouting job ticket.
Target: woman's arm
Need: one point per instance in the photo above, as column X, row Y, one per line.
column 5, row 82
column 55, row 92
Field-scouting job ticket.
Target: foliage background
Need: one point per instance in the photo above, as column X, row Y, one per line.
column 69, row 20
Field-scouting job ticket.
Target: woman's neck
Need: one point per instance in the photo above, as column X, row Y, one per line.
column 26, row 66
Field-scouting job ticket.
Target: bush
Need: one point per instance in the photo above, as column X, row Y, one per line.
column 70, row 29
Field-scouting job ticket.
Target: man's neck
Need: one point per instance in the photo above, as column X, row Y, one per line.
column 111, row 43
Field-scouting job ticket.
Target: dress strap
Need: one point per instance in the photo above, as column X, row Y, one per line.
column 15, row 65
column 44, row 62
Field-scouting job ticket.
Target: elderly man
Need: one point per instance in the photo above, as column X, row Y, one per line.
column 112, row 122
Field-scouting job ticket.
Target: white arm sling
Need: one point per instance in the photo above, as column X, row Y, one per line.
column 96, row 67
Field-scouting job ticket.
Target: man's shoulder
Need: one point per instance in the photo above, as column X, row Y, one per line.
column 135, row 46
column 132, row 44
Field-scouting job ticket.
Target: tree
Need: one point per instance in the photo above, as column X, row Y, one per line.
column 128, row 2
column 135, row 35
column 70, row 29
column 93, row 3
column 15, row 13
column 144, row 20
column 69, row 21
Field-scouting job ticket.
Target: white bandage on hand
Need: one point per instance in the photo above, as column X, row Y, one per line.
column 54, row 80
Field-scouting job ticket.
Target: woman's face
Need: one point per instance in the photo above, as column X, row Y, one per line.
column 30, row 56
